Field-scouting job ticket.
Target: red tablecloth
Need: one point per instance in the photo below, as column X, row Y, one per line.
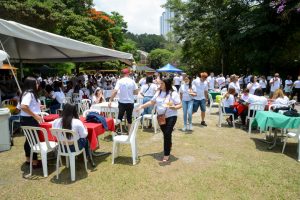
column 51, row 117
column 94, row 129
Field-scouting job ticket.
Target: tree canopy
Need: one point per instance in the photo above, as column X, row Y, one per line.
column 237, row 36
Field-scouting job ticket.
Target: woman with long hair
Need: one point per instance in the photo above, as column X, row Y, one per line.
column 228, row 103
column 57, row 95
column 70, row 120
column 280, row 99
column 98, row 96
column 187, row 91
column 167, row 103
column 30, row 110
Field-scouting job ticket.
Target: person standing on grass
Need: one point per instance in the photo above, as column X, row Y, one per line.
column 275, row 84
column 288, row 85
column 127, row 88
column 296, row 89
column 202, row 96
column 147, row 91
column 30, row 109
column 187, row 92
column 167, row 103
column 211, row 81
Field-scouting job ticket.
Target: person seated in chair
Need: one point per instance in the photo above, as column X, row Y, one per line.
column 228, row 102
column 256, row 98
column 280, row 99
column 70, row 120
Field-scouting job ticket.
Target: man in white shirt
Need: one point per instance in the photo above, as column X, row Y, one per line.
column 211, row 81
column 177, row 82
column 202, row 96
column 275, row 84
column 296, row 89
column 127, row 88
column 288, row 84
column 221, row 81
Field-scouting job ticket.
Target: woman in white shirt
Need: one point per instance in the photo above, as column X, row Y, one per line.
column 296, row 89
column 167, row 103
column 253, row 85
column 58, row 96
column 263, row 84
column 187, row 92
column 70, row 120
column 234, row 84
column 288, row 84
column 98, row 96
column 30, row 109
column 280, row 99
column 228, row 103
column 148, row 90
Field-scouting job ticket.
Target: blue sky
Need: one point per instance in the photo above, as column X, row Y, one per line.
column 142, row 16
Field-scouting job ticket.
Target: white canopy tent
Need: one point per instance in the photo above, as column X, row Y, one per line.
column 30, row 45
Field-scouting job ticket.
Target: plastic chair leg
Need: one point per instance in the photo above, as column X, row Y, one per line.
column 72, row 167
column 250, row 124
column 233, row 123
column 143, row 123
column 31, row 155
column 85, row 160
column 113, row 153
column 133, row 151
column 283, row 148
column 57, row 165
column 67, row 162
column 44, row 162
column 154, row 124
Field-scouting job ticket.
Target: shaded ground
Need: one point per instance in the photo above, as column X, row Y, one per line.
column 209, row 163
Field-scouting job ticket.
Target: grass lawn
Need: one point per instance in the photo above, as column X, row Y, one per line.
column 209, row 163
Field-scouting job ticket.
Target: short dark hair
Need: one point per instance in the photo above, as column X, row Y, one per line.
column 149, row 79
column 258, row 92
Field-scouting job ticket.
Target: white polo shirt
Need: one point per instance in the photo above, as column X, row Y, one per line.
column 252, row 87
column 236, row 86
column 263, row 83
column 297, row 84
column 160, row 99
column 148, row 91
column 201, row 87
column 126, row 87
column 221, row 82
column 177, row 80
column 77, row 127
column 211, row 81
column 228, row 102
column 29, row 100
column 184, row 90
column 276, row 84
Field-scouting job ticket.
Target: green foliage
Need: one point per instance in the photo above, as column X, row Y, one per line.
column 147, row 42
column 236, row 34
column 129, row 46
column 160, row 57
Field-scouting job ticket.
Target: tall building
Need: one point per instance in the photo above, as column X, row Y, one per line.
column 165, row 25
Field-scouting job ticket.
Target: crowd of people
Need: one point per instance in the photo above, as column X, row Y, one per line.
column 165, row 93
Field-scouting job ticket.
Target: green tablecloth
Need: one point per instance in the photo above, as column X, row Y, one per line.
column 214, row 94
column 265, row 119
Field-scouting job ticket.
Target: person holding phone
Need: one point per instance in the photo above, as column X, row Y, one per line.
column 275, row 84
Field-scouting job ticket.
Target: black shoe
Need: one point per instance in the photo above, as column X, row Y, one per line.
column 203, row 123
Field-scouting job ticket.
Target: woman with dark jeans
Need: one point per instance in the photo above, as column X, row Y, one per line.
column 167, row 103
column 30, row 108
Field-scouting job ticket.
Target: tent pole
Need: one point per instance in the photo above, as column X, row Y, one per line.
column 12, row 70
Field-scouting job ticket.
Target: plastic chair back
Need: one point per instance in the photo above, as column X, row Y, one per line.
column 133, row 129
column 64, row 142
column 32, row 135
column 254, row 108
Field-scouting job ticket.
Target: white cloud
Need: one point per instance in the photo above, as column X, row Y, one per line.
column 142, row 16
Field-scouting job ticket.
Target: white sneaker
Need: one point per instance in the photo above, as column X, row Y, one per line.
column 184, row 128
column 190, row 127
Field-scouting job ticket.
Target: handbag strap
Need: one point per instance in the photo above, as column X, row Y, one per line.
column 146, row 90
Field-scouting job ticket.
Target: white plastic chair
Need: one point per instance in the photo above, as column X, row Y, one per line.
column 43, row 101
column 13, row 122
column 211, row 103
column 222, row 114
column 86, row 112
column 7, row 102
column 32, row 136
column 250, row 116
column 273, row 106
column 152, row 117
column 111, row 113
column 64, row 149
column 223, row 91
column 292, row 103
column 127, row 139
column 292, row 135
column 85, row 105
